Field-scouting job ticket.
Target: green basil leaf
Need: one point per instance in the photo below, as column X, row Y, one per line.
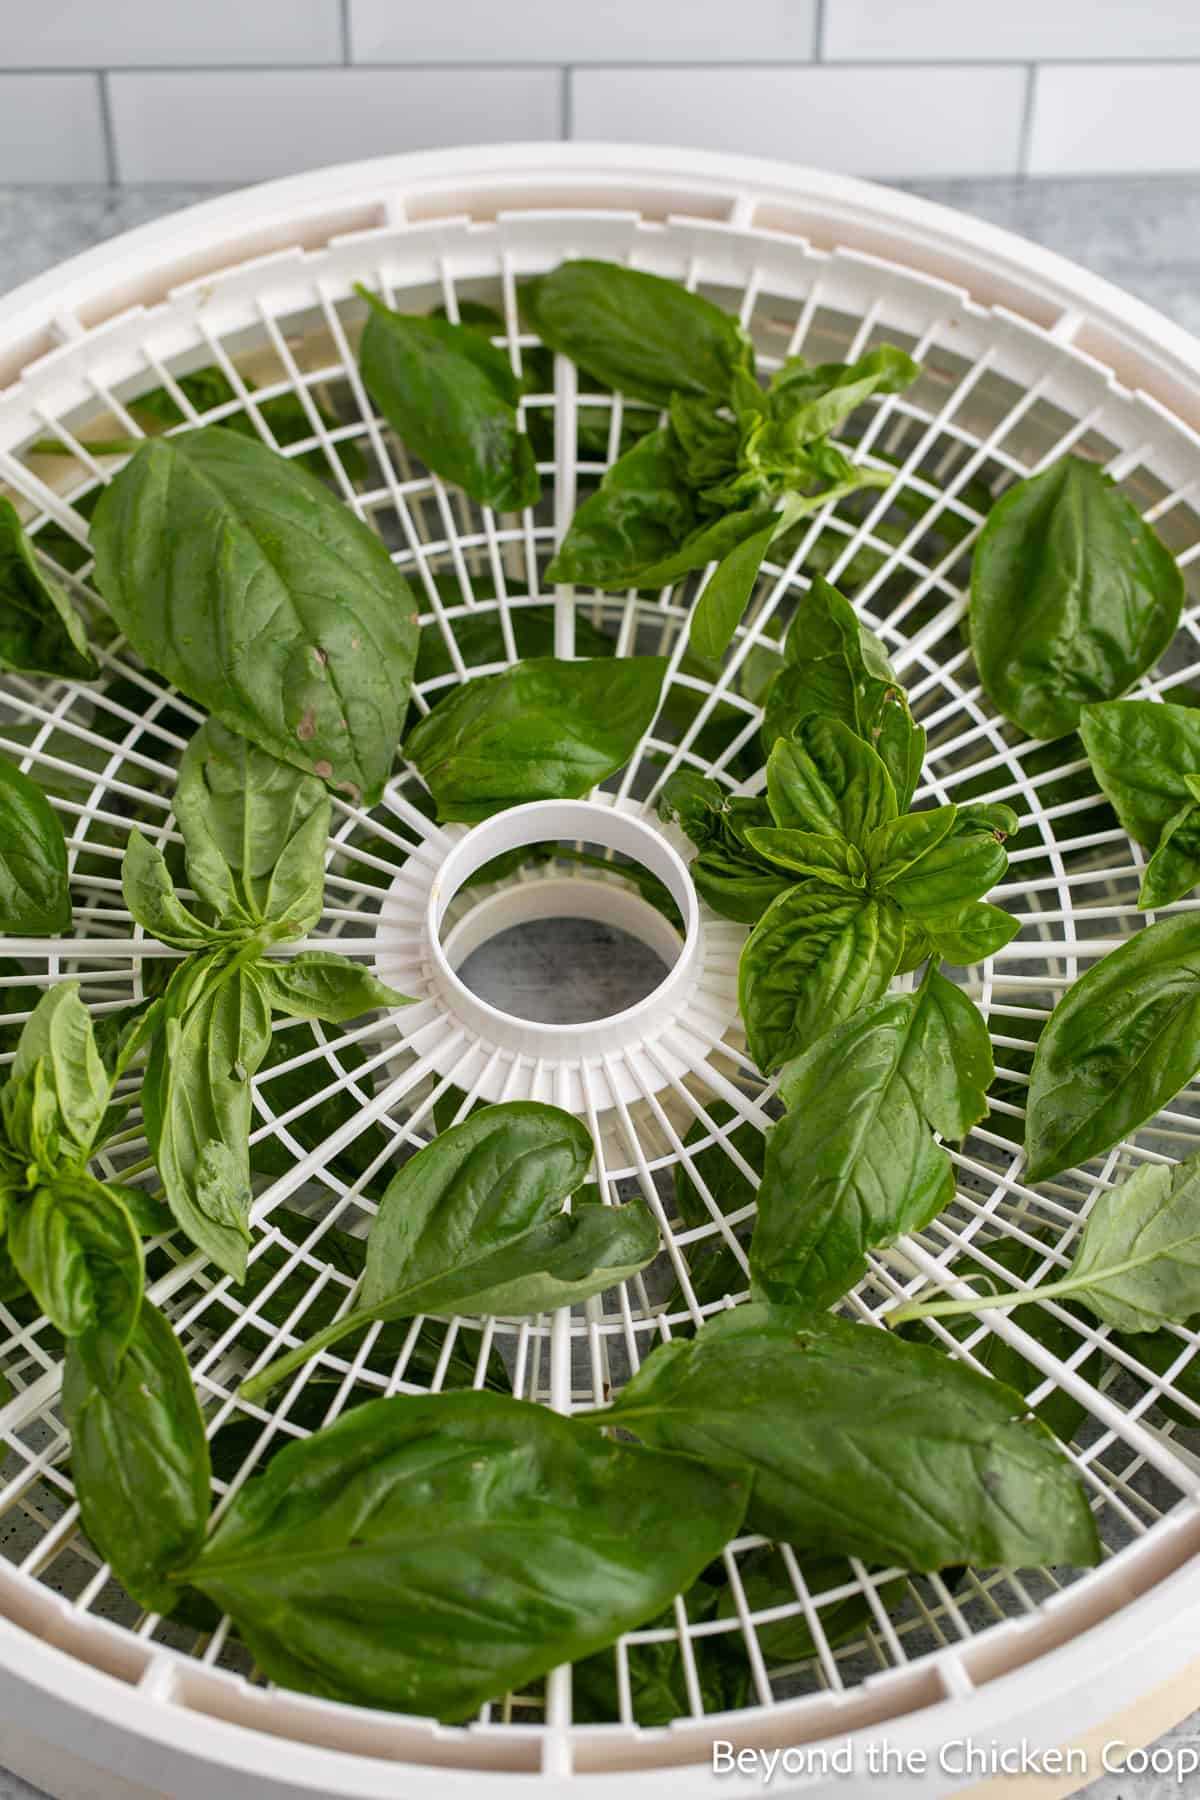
column 853, row 1166
column 40, row 631
column 812, row 960
column 196, row 1101
column 254, row 830
column 121, row 1035
column 1119, row 1045
column 659, row 1691
column 35, row 893
column 825, row 779
column 149, row 893
column 707, row 438
column 710, row 542
column 58, row 1035
column 139, row 1461
column 726, row 594
column 826, row 393
column 451, row 396
column 296, row 629
column 1073, row 596
column 318, row 984
column 767, row 1584
column 76, row 1249
column 641, row 334
column 834, row 666
column 831, row 860
column 542, row 730
column 1138, row 1263
column 640, row 514
column 474, row 1224
column 977, row 930
column 1141, row 752
column 563, row 1539
column 862, row 1444
column 949, row 1044
column 737, row 885
column 893, row 848
column 958, row 866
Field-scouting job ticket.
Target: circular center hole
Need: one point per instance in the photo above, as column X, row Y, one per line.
column 563, row 971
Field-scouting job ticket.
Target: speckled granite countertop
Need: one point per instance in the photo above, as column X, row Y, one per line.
column 1143, row 233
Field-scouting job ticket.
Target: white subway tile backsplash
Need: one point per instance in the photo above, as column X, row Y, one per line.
column 892, row 122
column 51, row 128
column 64, row 34
column 1025, row 30
column 1102, row 119
column 239, row 125
column 569, row 31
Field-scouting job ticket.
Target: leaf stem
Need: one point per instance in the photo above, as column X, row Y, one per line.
column 947, row 1309
column 262, row 1383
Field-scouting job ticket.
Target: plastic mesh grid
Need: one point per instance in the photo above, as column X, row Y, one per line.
column 336, row 1107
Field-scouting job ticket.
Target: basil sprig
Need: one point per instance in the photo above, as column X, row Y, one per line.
column 734, row 468
column 254, row 833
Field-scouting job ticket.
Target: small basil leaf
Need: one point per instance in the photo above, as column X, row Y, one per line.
column 967, row 936
column 139, row 1461
column 78, row 1253
column 825, row 779
column 1140, row 752
column 814, row 958
column 816, row 398
column 58, row 1035
column 40, row 631
column 1138, row 1263
column 196, row 1102
column 35, row 893
column 318, row 984
column 862, row 1444
column 122, row 1034
column 541, row 730
column 736, row 884
column 402, row 1505
column 957, row 866
column 150, row 895
column 641, row 334
column 892, row 849
column 831, row 860
column 1121, row 1043
column 451, row 396
column 295, row 628
column 726, row 594
column 1073, row 596
column 639, row 515
column 1174, row 868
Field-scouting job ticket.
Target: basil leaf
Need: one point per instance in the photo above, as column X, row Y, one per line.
column 139, row 1461
column 831, row 860
column 949, row 1044
column 451, row 396
column 76, row 1249
column 406, row 1504
column 861, row 1444
column 120, row 1036
column 893, row 848
column 196, row 1102
column 294, row 629
column 640, row 514
column 1073, row 596
column 542, row 730
column 473, row 1224
column 767, row 1584
column 814, row 958
column 958, row 866
column 813, row 401
column 254, row 830
column 58, row 1036
column 641, row 334
column 149, row 893
column 1119, row 1045
column 1138, row 1262
column 1141, row 752
column 35, row 893
column 826, row 779
column 738, row 885
column 853, row 1165
column 318, row 984
column 40, row 631
column 967, row 936
column 659, row 1691
column 726, row 593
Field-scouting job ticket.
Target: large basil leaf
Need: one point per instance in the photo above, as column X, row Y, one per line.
column 319, row 984
column 40, row 631
column 196, row 1100
column 246, row 583
column 561, row 1539
column 139, row 1461
column 814, row 957
column 542, row 730
column 451, row 396
column 1142, row 753
column 854, row 1166
column 641, row 334
column 254, row 830
column 35, row 893
column 59, row 1046
column 861, row 1444
column 827, row 779
column 977, row 930
column 473, row 1224
column 78, row 1253
column 1073, row 596
column 1119, row 1045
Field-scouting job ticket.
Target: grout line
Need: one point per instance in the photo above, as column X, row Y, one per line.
column 106, row 128
column 629, row 64
column 347, row 46
column 1025, row 135
column 819, row 31
column 566, row 99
